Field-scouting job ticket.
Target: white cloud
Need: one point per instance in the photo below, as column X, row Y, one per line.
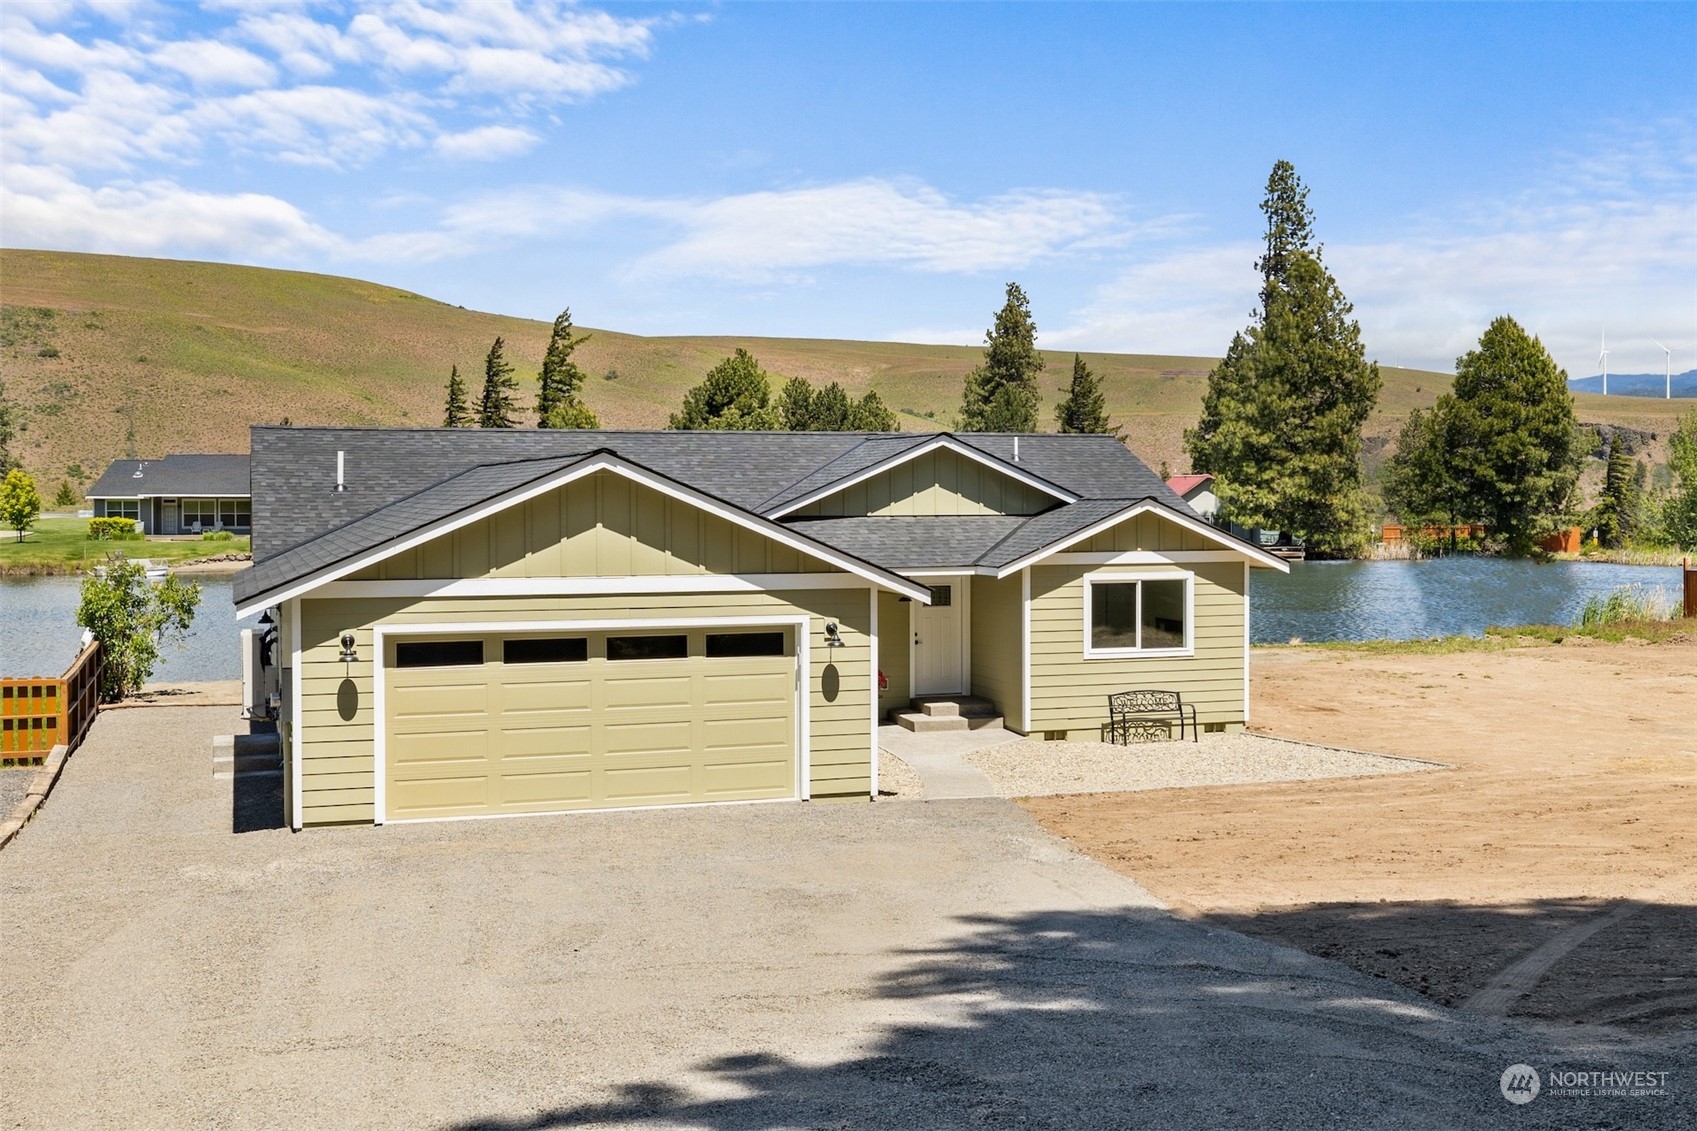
column 486, row 143
column 44, row 208
column 208, row 63
column 135, row 92
column 1608, row 236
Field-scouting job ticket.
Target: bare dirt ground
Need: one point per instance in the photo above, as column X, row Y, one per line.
column 1575, row 788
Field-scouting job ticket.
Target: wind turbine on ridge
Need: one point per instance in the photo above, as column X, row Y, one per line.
column 1604, row 358
column 1667, row 391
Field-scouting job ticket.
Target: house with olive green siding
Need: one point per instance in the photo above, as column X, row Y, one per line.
column 478, row 623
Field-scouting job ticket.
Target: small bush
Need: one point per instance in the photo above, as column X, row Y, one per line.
column 216, row 536
column 47, row 351
column 112, row 530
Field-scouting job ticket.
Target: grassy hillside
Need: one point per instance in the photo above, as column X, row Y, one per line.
column 189, row 354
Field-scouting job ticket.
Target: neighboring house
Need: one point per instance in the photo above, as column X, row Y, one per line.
column 1198, row 491
column 490, row 622
column 180, row 494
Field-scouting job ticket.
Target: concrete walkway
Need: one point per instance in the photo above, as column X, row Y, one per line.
column 939, row 758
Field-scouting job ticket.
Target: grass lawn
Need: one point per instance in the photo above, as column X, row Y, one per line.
column 61, row 545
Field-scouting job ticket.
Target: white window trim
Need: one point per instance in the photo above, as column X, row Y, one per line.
column 379, row 704
column 1091, row 580
column 1012, row 471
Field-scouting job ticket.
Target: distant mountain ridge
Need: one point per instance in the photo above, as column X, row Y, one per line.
column 1637, row 384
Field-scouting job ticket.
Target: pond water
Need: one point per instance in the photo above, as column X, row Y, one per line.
column 1317, row 601
column 1460, row 595
column 39, row 633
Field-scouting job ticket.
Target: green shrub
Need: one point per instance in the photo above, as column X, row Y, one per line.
column 47, row 351
column 1628, row 603
column 216, row 536
column 112, row 530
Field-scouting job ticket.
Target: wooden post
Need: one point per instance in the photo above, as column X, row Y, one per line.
column 1690, row 577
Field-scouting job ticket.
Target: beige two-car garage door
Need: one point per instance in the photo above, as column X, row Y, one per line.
column 498, row 723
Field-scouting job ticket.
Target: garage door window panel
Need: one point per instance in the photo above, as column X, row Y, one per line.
column 439, row 653
column 545, row 650
column 734, row 645
column 670, row 647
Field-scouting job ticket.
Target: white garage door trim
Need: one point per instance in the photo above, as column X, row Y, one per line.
column 380, row 722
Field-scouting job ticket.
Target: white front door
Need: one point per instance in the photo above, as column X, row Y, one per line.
column 939, row 638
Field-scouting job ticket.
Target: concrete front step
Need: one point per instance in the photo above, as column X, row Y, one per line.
column 948, row 712
column 926, row 724
column 947, row 705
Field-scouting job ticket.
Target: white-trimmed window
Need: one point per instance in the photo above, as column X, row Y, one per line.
column 203, row 511
column 123, row 508
column 1144, row 614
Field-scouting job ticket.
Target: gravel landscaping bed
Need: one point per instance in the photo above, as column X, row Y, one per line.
column 897, row 779
column 1029, row 769
column 14, row 783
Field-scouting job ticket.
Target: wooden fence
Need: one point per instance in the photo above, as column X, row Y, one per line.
column 1689, row 573
column 39, row 713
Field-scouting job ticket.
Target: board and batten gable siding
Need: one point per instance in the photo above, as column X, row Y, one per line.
column 1069, row 692
column 339, row 722
column 1148, row 531
column 603, row 525
column 940, row 482
column 996, row 647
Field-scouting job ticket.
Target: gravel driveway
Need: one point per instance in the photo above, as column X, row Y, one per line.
column 931, row 965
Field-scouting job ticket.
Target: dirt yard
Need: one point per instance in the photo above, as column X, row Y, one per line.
column 1575, row 788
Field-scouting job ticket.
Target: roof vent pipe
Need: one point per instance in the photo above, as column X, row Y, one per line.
column 340, row 459
column 1016, row 449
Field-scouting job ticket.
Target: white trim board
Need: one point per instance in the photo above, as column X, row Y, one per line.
column 609, row 463
column 297, row 777
column 1142, row 557
column 380, row 727
column 588, row 586
column 1255, row 554
column 1012, row 471
column 873, row 667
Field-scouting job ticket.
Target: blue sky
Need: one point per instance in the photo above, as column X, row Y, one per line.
column 879, row 171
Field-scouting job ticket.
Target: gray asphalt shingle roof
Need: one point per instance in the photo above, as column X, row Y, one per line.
column 193, row 476
column 398, row 481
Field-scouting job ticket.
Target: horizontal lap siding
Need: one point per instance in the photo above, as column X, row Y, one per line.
column 996, row 645
column 1069, row 692
column 338, row 775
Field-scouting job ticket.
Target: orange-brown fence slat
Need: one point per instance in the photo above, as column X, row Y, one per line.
column 38, row 713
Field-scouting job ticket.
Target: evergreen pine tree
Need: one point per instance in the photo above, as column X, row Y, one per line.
column 1083, row 409
column 795, row 405
column 1001, row 394
column 1281, row 419
column 558, row 403
column 456, row 414
column 735, row 396
column 1520, row 450
column 495, row 409
column 1616, row 514
column 871, row 415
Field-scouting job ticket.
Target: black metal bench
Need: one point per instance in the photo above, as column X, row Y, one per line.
column 1146, row 715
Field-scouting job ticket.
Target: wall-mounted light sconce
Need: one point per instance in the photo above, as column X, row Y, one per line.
column 833, row 639
column 349, row 656
column 265, row 620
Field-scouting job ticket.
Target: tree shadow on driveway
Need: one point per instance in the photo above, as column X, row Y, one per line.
column 1086, row 1019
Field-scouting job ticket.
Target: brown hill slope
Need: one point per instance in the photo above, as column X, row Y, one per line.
column 108, row 352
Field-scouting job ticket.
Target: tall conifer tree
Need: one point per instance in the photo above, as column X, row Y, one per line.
column 1083, row 408
column 457, row 413
column 1281, row 419
column 496, row 409
column 1001, row 395
column 558, row 398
